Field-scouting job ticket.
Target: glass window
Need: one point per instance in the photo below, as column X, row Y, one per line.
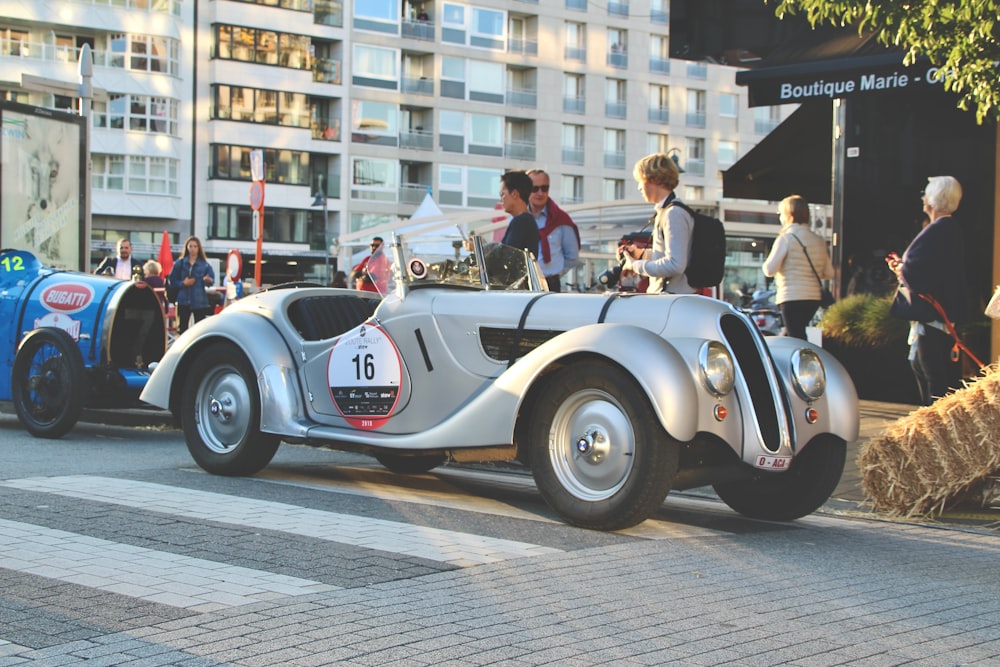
column 372, row 173
column 374, row 117
column 485, row 130
column 483, row 183
column 614, row 189
column 451, row 122
column 373, row 62
column 728, row 105
column 450, row 176
column 727, row 153
column 385, row 10
column 453, row 68
column 572, row 136
column 487, row 22
column 486, row 77
column 658, row 143
column 453, row 15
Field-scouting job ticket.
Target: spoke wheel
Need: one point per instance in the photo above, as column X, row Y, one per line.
column 48, row 383
column 220, row 413
column 598, row 453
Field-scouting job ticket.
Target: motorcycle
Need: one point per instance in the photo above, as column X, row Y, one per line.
column 762, row 310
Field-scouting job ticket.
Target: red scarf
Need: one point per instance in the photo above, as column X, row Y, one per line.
column 554, row 217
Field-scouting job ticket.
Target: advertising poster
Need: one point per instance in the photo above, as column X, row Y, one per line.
column 41, row 184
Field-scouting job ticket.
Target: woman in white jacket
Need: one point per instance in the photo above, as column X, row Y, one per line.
column 798, row 285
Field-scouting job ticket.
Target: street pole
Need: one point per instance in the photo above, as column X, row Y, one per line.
column 326, row 225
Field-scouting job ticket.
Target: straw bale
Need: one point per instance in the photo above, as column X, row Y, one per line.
column 927, row 460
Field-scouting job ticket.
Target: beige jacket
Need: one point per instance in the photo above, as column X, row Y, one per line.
column 787, row 264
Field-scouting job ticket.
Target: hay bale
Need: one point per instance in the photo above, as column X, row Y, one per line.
column 936, row 454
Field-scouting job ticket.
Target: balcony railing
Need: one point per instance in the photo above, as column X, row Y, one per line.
column 659, row 65
column 413, row 193
column 580, row 5
column 614, row 160
column 659, row 16
column 528, row 47
column 328, row 131
column 615, row 109
column 617, row 8
column 326, row 70
column 574, row 105
column 764, row 126
column 695, row 119
column 522, row 98
column 419, row 86
column 421, row 140
column 695, row 166
column 576, row 53
column 618, row 59
column 697, row 71
column 572, row 155
column 418, row 30
column 659, row 115
column 519, row 150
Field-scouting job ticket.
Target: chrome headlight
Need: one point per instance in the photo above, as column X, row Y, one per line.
column 808, row 373
column 717, row 369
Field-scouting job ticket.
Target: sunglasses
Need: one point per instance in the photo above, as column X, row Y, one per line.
column 540, row 188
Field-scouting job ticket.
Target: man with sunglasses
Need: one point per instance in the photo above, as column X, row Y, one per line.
column 559, row 237
column 360, row 275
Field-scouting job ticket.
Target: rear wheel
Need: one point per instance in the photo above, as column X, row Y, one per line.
column 220, row 414
column 598, row 453
column 802, row 489
column 409, row 465
column 48, row 383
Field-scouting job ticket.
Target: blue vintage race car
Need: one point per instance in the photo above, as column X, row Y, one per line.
column 72, row 341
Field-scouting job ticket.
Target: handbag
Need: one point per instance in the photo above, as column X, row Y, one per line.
column 826, row 298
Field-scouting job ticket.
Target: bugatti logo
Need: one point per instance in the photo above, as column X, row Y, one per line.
column 67, row 297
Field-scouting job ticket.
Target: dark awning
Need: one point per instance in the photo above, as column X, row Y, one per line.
column 795, row 158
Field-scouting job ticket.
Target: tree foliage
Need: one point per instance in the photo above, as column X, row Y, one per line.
column 958, row 36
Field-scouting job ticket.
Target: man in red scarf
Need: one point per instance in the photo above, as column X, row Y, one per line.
column 559, row 238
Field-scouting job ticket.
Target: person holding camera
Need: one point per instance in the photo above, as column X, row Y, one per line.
column 666, row 261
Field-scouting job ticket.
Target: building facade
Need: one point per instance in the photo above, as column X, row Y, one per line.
column 371, row 104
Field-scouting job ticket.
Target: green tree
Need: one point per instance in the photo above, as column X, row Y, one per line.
column 958, row 36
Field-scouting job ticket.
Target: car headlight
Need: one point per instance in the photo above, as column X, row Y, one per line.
column 717, row 369
column 808, row 373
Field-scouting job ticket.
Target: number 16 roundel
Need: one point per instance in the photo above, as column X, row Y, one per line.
column 364, row 375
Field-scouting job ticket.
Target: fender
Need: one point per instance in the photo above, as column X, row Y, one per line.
column 269, row 355
column 843, row 421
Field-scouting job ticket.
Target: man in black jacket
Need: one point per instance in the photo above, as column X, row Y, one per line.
column 123, row 265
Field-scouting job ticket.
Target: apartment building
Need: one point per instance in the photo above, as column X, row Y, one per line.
column 375, row 103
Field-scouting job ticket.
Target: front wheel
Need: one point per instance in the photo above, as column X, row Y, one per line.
column 48, row 383
column 802, row 489
column 220, row 414
column 598, row 453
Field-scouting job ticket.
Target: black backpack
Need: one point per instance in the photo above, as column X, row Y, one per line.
column 707, row 260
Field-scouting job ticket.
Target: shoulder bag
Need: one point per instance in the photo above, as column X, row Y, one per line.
column 825, row 296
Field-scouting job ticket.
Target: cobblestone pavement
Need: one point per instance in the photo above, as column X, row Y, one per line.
column 315, row 564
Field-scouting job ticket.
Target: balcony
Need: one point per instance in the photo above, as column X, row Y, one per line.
column 695, row 119
column 615, row 109
column 522, row 98
column 764, row 126
column 423, row 30
column 417, row 85
column 695, row 166
column 421, row 140
column 617, row 8
column 572, row 155
column 327, row 131
column 659, row 16
column 659, row 115
column 326, row 70
column 659, row 65
column 519, row 150
column 576, row 53
column 618, row 59
column 616, row 160
column 579, row 5
column 697, row 71
column 329, row 12
column 528, row 47
column 574, row 105
column 413, row 193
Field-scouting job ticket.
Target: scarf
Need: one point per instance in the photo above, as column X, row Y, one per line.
column 554, row 218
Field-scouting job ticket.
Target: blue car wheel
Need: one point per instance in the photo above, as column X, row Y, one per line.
column 48, row 383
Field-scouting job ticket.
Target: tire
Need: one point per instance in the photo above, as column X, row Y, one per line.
column 220, row 414
column 409, row 465
column 802, row 489
column 630, row 462
column 48, row 383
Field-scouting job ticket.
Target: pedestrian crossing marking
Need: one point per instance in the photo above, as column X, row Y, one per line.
column 446, row 546
column 156, row 576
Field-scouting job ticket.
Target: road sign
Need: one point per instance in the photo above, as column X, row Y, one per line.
column 257, row 165
column 257, row 195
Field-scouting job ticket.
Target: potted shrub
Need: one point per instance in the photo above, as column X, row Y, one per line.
column 871, row 344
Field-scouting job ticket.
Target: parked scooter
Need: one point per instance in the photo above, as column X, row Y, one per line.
column 760, row 307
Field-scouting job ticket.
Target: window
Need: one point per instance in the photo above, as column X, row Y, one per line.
column 377, row 15
column 287, row 167
column 283, row 225
column 373, row 179
column 135, row 174
column 376, row 67
column 572, row 189
column 614, row 149
column 262, row 46
column 143, row 53
column 485, row 135
column 487, row 81
column 475, row 26
column 573, row 93
column 451, row 131
column 695, row 163
column 696, row 108
column 657, row 143
column 614, row 98
column 728, row 105
column 694, row 193
column 374, row 122
column 453, row 77
column 659, row 104
column 614, row 189
column 572, row 144
column 252, row 105
column 137, row 113
column 617, row 48
column 576, row 41
column 659, row 11
column 468, row 186
column 766, row 119
column 659, row 54
column 108, row 172
column 727, row 153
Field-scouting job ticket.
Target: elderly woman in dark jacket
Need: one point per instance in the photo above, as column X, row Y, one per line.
column 934, row 264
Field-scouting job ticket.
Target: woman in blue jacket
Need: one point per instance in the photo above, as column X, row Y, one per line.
column 190, row 276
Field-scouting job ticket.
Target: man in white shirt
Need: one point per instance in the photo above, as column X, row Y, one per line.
column 122, row 266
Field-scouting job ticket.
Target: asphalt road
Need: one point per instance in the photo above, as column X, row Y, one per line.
column 115, row 549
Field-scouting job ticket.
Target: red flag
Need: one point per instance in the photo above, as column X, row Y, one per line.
column 165, row 258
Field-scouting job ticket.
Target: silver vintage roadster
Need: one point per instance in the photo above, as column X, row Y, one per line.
column 611, row 400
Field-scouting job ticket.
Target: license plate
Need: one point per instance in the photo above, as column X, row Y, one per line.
column 773, row 462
